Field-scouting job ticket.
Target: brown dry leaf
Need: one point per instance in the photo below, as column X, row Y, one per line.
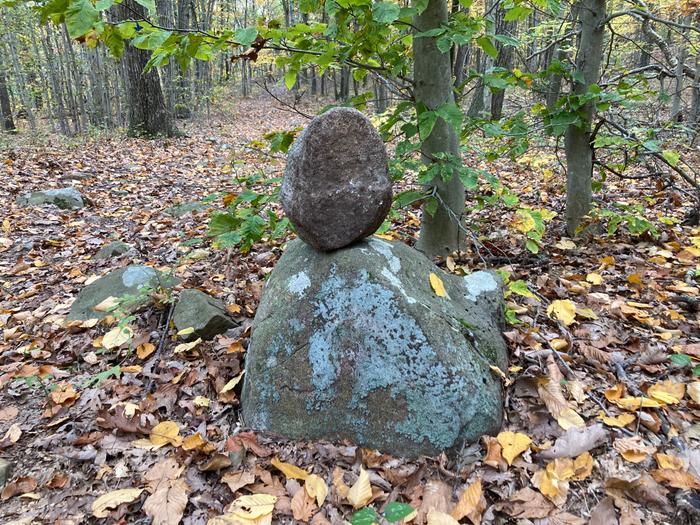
column 437, row 495
column 167, row 503
column 471, row 504
column 603, row 513
column 526, row 503
column 551, row 394
column 360, row 494
column 8, row 413
column 576, row 441
column 102, row 506
column 676, row 478
column 435, row 517
column 22, row 485
column 58, row 481
column 583, row 466
column 12, row 435
column 514, row 444
column 667, row 392
column 195, row 442
column 64, row 394
column 633, row 449
column 289, row 470
column 237, row 480
column 320, row 519
column 493, row 453
column 694, row 391
column 316, row 488
column 216, row 463
column 303, row 506
column 166, row 432
column 644, row 490
column 144, row 350
column 338, row 482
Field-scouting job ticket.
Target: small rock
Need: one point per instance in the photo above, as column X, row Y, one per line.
column 113, row 249
column 336, row 187
column 202, row 312
column 130, row 283
column 77, row 175
column 5, row 471
column 179, row 210
column 64, row 198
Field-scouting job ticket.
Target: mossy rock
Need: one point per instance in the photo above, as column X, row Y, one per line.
column 356, row 344
column 64, row 198
column 205, row 314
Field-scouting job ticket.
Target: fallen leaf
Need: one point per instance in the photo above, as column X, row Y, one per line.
column 676, row 478
column 289, row 470
column 667, row 392
column 338, row 482
column 576, row 441
column 21, row 485
column 116, row 337
column 360, row 493
column 633, row 449
column 168, row 499
column 513, row 444
column 303, row 506
column 166, row 432
column 237, row 480
column 10, row 412
column 617, row 421
column 526, row 504
column 694, row 391
column 186, row 347
column 107, row 502
column 316, row 488
column 594, row 278
column 562, row 309
column 667, row 461
column 435, row 517
column 437, row 285
column 471, row 504
column 144, row 350
column 253, row 506
column 232, row 383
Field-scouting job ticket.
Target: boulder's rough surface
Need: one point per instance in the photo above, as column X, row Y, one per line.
column 355, row 344
column 180, row 210
column 5, row 471
column 202, row 312
column 64, row 198
column 126, row 284
column 336, row 186
column 113, row 249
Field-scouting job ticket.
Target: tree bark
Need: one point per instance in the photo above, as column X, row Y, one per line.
column 579, row 151
column 432, row 74
column 8, row 123
column 148, row 115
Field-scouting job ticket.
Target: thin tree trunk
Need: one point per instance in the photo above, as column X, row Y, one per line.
column 432, row 73
column 579, row 150
column 8, row 124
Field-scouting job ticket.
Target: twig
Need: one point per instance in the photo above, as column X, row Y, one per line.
column 161, row 345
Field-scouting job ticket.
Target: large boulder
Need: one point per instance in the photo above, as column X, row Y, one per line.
column 356, row 344
column 336, row 186
column 202, row 312
column 64, row 198
column 131, row 285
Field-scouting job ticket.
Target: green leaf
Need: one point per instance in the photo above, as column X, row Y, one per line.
column 365, row 516
column 680, row 359
column 221, row 223
column 385, row 12
column 671, row 157
column 519, row 12
column 408, row 197
column 426, row 123
column 290, row 78
column 451, row 113
column 696, row 370
column 246, row 36
column 485, row 43
column 148, row 4
column 81, row 17
column 532, row 246
column 396, row 511
column 520, row 287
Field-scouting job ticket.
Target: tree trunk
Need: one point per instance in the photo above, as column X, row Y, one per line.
column 579, row 151
column 504, row 59
column 148, row 115
column 8, row 124
column 432, row 74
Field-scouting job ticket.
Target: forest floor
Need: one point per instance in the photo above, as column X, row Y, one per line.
column 608, row 340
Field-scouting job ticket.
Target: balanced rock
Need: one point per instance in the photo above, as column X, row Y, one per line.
column 336, row 187
column 357, row 344
column 130, row 285
column 202, row 312
column 64, row 198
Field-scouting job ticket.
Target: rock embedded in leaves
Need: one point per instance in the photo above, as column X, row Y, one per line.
column 113, row 249
column 64, row 198
column 129, row 284
column 336, row 187
column 204, row 313
column 355, row 344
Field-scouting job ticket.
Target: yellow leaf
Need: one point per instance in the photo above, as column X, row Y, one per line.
column 583, row 466
column 193, row 442
column 633, row 449
column 594, row 278
column 144, row 350
column 558, row 344
column 201, row 401
column 667, row 461
column 116, row 337
column 107, row 305
column 513, row 444
column 289, row 470
column 524, row 221
column 102, row 505
column 586, row 313
column 608, row 261
column 617, row 421
column 253, row 506
column 186, row 347
column 340, row 486
column 569, row 418
column 437, row 285
column 694, row 391
column 166, row 432
column 565, row 244
column 360, row 493
column 316, row 488
column 469, row 502
column 551, row 485
column 667, row 392
column 440, row 518
column 564, row 310
column 186, row 331
column 232, row 384
column 635, row 403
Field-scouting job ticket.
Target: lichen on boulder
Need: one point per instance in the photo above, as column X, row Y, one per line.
column 355, row 344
